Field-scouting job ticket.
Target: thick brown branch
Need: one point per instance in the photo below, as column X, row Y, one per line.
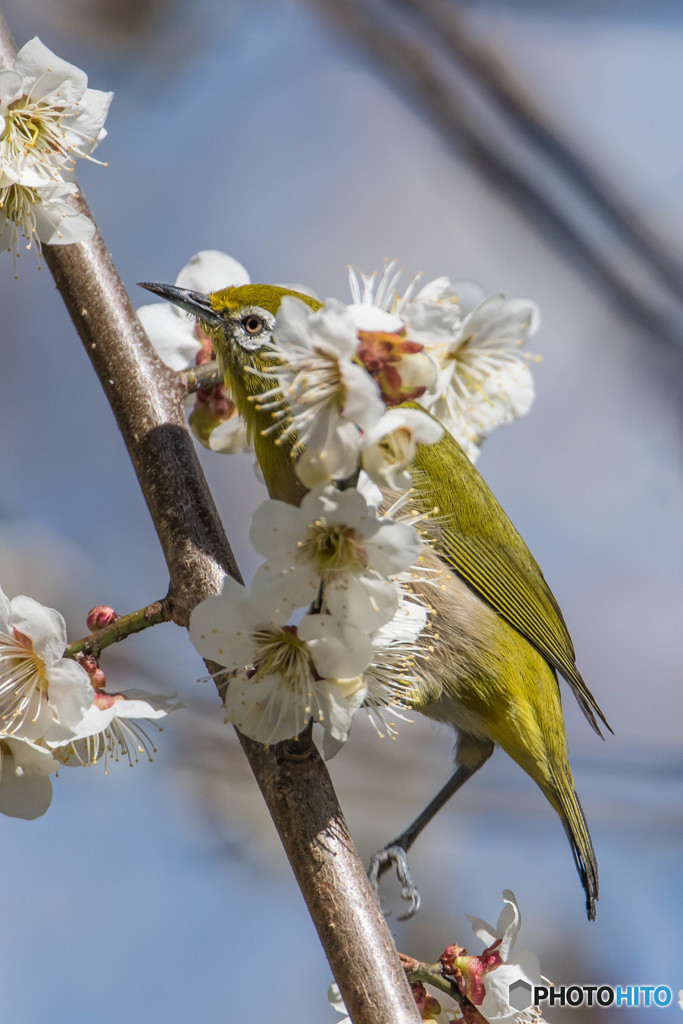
column 147, row 399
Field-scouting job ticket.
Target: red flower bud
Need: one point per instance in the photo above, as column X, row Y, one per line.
column 101, row 616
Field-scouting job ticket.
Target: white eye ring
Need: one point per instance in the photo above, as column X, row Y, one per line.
column 255, row 326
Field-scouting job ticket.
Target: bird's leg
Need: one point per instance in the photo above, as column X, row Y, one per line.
column 394, row 853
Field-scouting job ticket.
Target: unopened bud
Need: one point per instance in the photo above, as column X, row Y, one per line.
column 98, row 679
column 101, row 616
column 89, row 663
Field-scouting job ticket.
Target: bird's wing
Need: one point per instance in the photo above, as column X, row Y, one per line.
column 478, row 541
column 528, row 606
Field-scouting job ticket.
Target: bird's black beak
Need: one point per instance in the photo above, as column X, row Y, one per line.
column 195, row 303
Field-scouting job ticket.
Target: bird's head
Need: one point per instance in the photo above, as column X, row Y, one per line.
column 240, row 322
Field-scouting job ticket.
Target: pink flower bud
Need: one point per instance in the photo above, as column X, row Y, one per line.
column 468, row 971
column 401, row 368
column 101, row 616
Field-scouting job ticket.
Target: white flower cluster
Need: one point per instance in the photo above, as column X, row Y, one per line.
column 50, row 712
column 448, row 346
column 48, row 116
column 327, row 626
column 482, row 378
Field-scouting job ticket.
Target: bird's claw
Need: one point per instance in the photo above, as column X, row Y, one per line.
column 395, row 855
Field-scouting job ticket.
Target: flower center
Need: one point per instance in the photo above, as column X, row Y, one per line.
column 281, row 651
column 23, row 678
column 34, row 129
column 17, row 202
column 332, row 547
column 398, row 447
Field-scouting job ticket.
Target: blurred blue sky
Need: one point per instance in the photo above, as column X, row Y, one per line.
column 160, row 893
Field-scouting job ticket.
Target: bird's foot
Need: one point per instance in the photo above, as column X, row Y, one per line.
column 396, row 855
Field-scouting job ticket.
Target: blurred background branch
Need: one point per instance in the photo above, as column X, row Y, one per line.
column 419, row 55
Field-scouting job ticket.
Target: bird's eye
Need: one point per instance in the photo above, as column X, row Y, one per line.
column 253, row 324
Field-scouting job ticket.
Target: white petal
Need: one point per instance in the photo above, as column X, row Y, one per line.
column 291, row 325
column 22, row 795
column 484, row 931
column 210, row 271
column 229, row 437
column 277, row 527
column 370, row 318
column 220, row 627
column 287, row 588
column 331, row 451
column 57, row 223
column 45, row 627
column 339, row 700
column 92, row 113
column 47, row 73
column 70, row 691
column 11, row 87
column 339, row 650
column 31, row 757
column 172, row 337
column 424, row 428
column 366, row 601
column 363, row 403
column 333, row 326
column 393, row 548
column 6, row 614
column 266, row 709
column 93, row 721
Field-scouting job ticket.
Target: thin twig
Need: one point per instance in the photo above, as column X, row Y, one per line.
column 202, row 378
column 124, row 626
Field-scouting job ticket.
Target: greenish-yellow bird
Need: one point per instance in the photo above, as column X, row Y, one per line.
column 502, row 639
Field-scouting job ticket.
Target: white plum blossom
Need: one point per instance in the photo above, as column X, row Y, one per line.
column 484, row 379
column 48, row 117
column 391, row 680
column 110, row 730
column 319, row 395
column 182, row 343
column 336, row 540
column 39, row 688
column 41, row 214
column 389, row 446
column 399, row 364
column 25, row 786
column 281, row 676
column 486, row 978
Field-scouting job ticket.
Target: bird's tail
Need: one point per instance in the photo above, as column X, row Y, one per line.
column 567, row 804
